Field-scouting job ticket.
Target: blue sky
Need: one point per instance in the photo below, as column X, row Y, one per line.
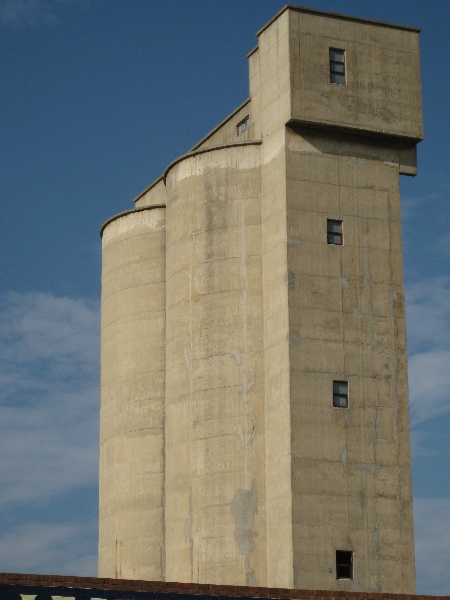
column 96, row 98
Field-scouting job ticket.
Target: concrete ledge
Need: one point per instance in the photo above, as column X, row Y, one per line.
column 355, row 131
column 209, row 149
column 128, row 212
column 334, row 15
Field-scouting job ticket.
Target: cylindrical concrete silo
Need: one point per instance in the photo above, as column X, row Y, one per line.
column 131, row 539
column 215, row 484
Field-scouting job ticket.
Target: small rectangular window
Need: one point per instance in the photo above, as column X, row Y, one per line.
column 334, row 232
column 242, row 126
column 340, row 394
column 344, row 564
column 337, row 66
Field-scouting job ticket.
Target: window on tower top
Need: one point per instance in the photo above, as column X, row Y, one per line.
column 337, row 66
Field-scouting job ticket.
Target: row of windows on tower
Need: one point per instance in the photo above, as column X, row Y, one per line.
column 344, row 558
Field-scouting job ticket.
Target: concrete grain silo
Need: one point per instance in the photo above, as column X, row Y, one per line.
column 254, row 408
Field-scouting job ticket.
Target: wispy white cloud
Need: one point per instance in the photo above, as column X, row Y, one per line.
column 428, row 320
column 34, row 546
column 31, row 13
column 48, row 396
column 435, row 188
column 38, row 326
column 34, row 13
column 420, row 444
column 428, row 314
column 444, row 245
column 432, row 541
column 429, row 384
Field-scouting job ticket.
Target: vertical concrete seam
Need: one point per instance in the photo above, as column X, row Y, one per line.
column 163, row 502
column 244, row 333
column 345, row 415
column 116, row 516
column 164, row 460
column 291, row 440
column 394, row 388
column 190, row 539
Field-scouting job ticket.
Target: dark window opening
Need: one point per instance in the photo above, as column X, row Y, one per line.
column 344, row 564
column 242, row 126
column 337, row 66
column 334, row 232
column 340, row 394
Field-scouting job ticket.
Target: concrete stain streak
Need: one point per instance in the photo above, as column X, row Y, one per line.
column 356, row 163
column 246, row 441
column 247, row 386
column 244, row 387
column 366, row 266
column 374, row 431
column 292, row 240
column 343, row 282
column 243, row 508
column 236, row 354
column 370, row 467
column 358, row 313
column 344, row 458
column 376, row 551
column 187, row 359
column 290, row 280
column 394, row 388
column 363, row 499
column 294, row 337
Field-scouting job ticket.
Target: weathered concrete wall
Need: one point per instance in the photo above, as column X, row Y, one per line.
column 269, row 75
column 154, row 195
column 347, row 322
column 272, row 77
column 215, row 485
column 226, row 132
column 131, row 539
column 382, row 91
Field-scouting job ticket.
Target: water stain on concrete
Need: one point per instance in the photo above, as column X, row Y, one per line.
column 243, row 508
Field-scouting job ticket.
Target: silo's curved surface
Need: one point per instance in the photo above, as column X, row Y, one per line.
column 131, row 540
column 215, row 485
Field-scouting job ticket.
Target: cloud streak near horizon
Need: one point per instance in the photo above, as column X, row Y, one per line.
column 49, row 365
column 34, row 13
column 428, row 326
column 428, row 323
